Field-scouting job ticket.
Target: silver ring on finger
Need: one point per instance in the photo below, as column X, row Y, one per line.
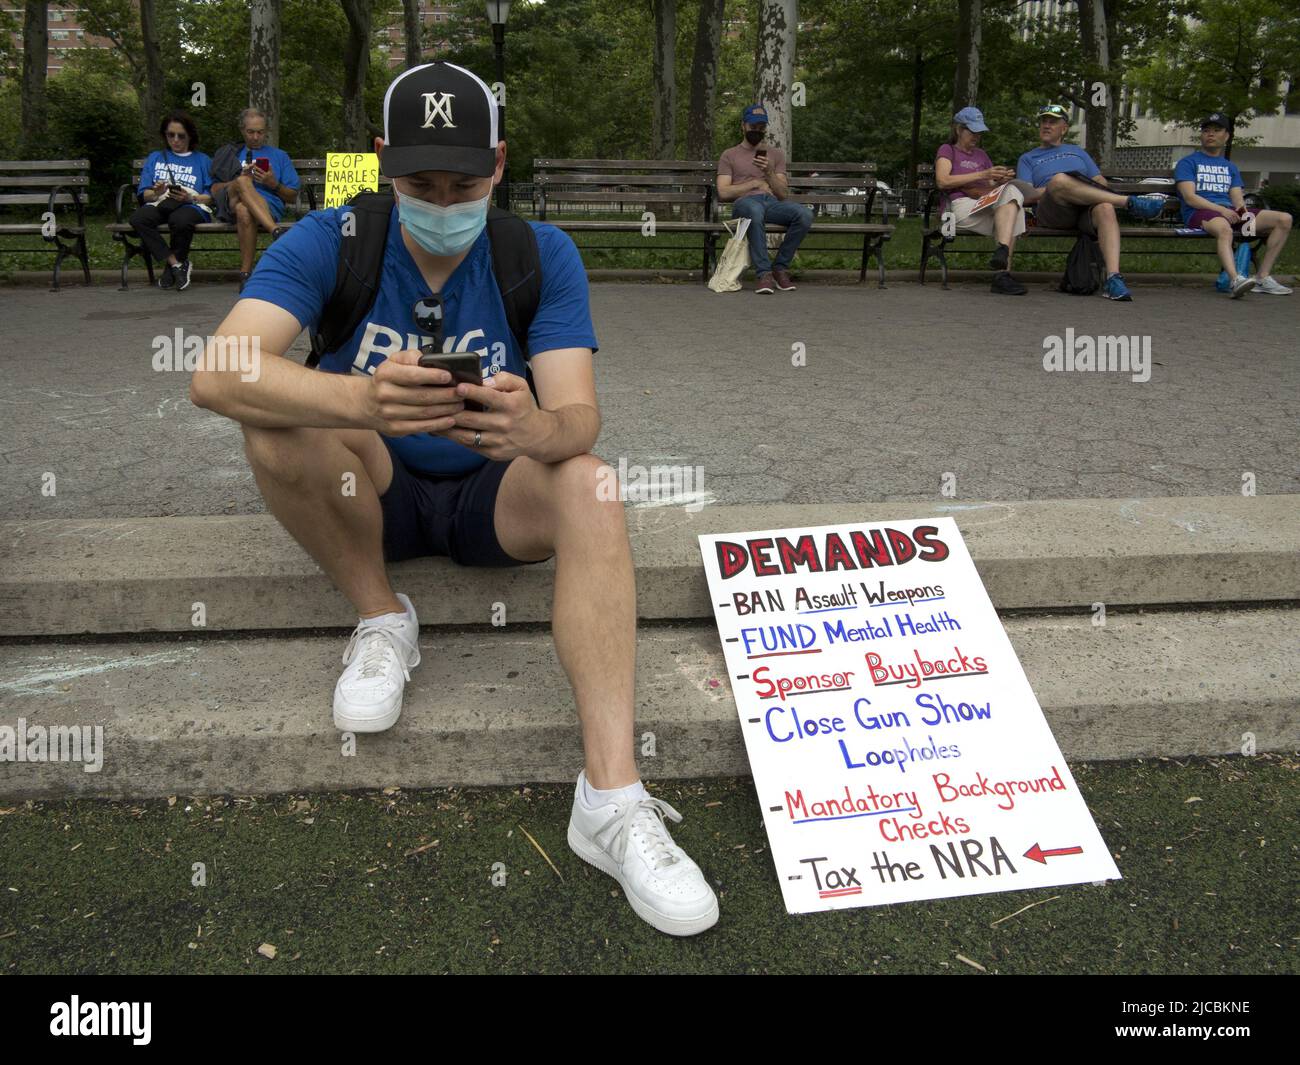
column 478, row 438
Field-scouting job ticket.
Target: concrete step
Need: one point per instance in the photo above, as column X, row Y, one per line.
column 144, row 575
column 492, row 706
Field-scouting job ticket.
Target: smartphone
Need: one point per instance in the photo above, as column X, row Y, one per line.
column 178, row 189
column 262, row 163
column 762, row 152
column 462, row 365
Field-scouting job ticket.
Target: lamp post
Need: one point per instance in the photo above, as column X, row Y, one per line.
column 497, row 12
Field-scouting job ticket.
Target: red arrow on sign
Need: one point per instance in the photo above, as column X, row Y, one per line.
column 1039, row 855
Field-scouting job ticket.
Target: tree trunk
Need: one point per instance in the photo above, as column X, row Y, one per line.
column 411, row 16
column 966, row 85
column 264, row 63
column 153, row 71
column 356, row 61
column 704, row 80
column 918, row 93
column 1096, row 47
column 36, row 45
column 778, row 22
column 663, row 118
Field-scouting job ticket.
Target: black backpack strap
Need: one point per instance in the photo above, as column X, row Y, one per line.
column 356, row 282
column 517, row 264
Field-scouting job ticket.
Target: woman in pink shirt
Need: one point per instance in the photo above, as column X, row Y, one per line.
column 964, row 173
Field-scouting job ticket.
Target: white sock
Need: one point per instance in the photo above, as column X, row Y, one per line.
column 594, row 797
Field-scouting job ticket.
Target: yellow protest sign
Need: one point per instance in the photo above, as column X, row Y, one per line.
column 347, row 173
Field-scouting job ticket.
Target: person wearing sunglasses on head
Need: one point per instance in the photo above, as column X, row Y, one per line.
column 1070, row 193
column 511, row 483
column 174, row 190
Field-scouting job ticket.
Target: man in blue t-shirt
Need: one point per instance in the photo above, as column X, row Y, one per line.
column 379, row 460
column 254, row 199
column 1210, row 187
column 1070, row 193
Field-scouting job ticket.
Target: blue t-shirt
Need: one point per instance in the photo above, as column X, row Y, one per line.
column 1038, row 166
column 193, row 170
column 297, row 273
column 281, row 169
column 1213, row 175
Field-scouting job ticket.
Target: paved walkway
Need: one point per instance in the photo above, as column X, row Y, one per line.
column 901, row 386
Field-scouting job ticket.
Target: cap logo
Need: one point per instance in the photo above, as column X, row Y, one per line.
column 438, row 105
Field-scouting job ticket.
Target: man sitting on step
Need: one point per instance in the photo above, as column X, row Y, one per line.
column 514, row 483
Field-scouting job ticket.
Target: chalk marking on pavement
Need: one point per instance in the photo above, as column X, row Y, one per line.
column 28, row 685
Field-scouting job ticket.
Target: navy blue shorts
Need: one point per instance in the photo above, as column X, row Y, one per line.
column 451, row 516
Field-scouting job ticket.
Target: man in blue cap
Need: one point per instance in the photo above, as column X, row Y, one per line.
column 1071, row 194
column 752, row 177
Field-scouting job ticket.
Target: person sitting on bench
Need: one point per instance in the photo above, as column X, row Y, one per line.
column 1071, row 193
column 754, row 177
column 964, row 173
column 256, row 182
column 174, row 190
column 1210, row 188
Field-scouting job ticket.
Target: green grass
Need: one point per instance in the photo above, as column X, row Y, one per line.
column 902, row 252
column 338, row 883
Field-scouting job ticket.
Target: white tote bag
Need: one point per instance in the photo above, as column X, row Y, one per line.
column 734, row 260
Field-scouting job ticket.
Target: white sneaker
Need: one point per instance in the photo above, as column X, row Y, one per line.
column 1241, row 284
column 368, row 696
column 1270, row 286
column 631, row 843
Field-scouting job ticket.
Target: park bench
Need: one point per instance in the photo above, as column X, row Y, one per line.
column 839, row 189
column 38, row 191
column 689, row 188
column 311, row 174
column 676, row 192
column 1167, row 229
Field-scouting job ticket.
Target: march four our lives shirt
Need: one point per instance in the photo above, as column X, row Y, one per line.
column 297, row 273
column 1040, row 165
column 1213, row 176
column 193, row 170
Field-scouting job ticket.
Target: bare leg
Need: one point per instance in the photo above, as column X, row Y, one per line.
column 1103, row 217
column 252, row 199
column 1066, row 188
column 300, row 474
column 555, row 507
column 247, row 230
column 1220, row 229
column 1278, row 226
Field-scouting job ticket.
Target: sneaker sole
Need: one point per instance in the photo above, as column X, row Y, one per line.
column 1239, row 292
column 764, row 291
column 673, row 926
column 346, row 723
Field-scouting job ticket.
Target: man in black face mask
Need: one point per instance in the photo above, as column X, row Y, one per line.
column 752, row 176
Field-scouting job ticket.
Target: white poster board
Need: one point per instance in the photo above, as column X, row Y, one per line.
column 897, row 748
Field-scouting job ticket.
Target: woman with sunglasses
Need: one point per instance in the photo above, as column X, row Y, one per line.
column 173, row 190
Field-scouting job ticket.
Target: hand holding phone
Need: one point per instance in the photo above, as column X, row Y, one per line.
column 462, row 365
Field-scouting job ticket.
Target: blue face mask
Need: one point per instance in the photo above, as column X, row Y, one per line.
column 443, row 230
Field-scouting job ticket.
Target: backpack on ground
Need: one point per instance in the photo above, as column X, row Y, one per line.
column 516, row 263
column 1083, row 268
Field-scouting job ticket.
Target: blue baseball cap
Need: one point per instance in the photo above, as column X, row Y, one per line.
column 754, row 114
column 972, row 118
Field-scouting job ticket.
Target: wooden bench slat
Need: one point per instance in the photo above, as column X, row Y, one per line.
column 35, row 198
column 47, row 180
column 44, row 164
